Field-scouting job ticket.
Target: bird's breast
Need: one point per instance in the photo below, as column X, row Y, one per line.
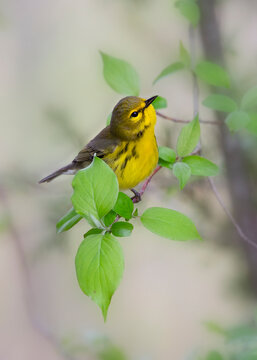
column 133, row 161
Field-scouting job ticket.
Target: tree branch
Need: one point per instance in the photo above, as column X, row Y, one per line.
column 241, row 186
column 196, row 110
column 193, row 61
column 208, row 122
column 146, row 183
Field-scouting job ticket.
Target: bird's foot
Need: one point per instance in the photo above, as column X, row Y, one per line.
column 137, row 197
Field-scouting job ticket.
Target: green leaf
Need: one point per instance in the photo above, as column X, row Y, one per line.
column 160, row 103
column 214, row 355
column 252, row 125
column 182, row 173
column 93, row 232
column 165, row 164
column 68, row 221
column 120, row 75
column 188, row 137
column 184, row 55
column 167, row 154
column 167, row 157
column 237, row 120
column 220, row 103
column 190, row 10
column 122, row 228
column 212, row 74
column 108, row 120
column 124, row 206
column 200, row 166
column 109, row 218
column 99, row 267
column 169, row 70
column 170, row 224
column 95, row 191
column 249, row 100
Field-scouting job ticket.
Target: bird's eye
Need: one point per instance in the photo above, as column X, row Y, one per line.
column 134, row 114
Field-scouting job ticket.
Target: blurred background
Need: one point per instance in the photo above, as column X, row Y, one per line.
column 176, row 300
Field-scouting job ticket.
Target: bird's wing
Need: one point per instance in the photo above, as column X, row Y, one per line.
column 103, row 144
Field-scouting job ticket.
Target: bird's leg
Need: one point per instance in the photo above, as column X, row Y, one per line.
column 137, row 197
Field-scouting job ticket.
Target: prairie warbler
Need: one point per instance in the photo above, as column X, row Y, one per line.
column 127, row 145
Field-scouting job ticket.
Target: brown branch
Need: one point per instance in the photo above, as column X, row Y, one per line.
column 196, row 110
column 138, row 196
column 192, row 65
column 146, row 183
column 241, row 185
column 208, row 122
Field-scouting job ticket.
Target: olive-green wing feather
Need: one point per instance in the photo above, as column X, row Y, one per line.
column 103, row 144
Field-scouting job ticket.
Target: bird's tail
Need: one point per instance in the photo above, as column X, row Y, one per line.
column 68, row 169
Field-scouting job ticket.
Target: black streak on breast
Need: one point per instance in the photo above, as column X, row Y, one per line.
column 141, row 133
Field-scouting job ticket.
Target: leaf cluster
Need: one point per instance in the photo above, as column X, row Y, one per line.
column 181, row 162
column 241, row 115
column 99, row 260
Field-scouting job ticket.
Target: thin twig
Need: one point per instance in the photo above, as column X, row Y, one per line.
column 230, row 216
column 137, row 199
column 146, row 183
column 208, row 122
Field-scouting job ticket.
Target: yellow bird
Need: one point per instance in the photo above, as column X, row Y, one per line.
column 128, row 145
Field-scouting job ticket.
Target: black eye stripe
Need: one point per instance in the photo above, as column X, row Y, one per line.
column 134, row 114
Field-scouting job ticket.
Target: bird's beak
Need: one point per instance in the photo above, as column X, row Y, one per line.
column 149, row 101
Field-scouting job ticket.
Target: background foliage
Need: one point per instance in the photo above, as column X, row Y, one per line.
column 55, row 100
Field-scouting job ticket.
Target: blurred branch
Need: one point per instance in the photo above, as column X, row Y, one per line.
column 240, row 185
column 25, row 273
column 230, row 216
column 196, row 111
column 209, row 122
column 16, row 240
column 195, row 82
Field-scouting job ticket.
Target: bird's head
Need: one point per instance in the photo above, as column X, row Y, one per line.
column 132, row 116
